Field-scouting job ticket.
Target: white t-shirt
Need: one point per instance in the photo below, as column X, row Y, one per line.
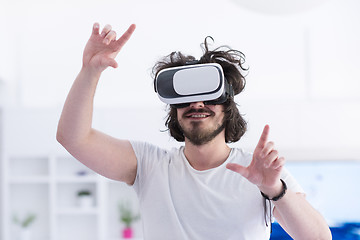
column 178, row 202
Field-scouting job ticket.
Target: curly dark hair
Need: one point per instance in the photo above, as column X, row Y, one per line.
column 232, row 62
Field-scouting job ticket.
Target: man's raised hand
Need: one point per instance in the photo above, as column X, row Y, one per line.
column 265, row 168
column 102, row 48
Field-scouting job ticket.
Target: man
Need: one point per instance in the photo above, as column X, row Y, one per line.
column 204, row 190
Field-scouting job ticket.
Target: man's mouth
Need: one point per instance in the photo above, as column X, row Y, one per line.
column 198, row 114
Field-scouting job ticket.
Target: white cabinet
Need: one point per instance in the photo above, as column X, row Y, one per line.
column 48, row 186
column 38, row 175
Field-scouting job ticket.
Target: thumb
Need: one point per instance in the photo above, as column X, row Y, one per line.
column 238, row 168
column 110, row 62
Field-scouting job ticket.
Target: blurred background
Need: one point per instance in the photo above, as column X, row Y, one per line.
column 303, row 80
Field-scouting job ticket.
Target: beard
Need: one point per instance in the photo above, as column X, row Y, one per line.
column 198, row 135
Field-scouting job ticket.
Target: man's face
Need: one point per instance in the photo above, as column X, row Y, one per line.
column 201, row 123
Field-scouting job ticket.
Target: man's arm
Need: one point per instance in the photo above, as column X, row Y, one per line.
column 298, row 218
column 110, row 157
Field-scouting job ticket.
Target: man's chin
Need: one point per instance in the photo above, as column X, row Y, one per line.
column 199, row 137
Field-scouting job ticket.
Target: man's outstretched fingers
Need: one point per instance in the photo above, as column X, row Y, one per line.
column 264, row 137
column 270, row 158
column 238, row 168
column 266, row 150
column 126, row 36
column 95, row 30
column 279, row 162
column 110, row 36
column 106, row 30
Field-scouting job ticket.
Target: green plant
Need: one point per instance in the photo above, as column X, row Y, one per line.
column 126, row 214
column 84, row 193
column 26, row 222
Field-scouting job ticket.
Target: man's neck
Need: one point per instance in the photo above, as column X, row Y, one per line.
column 207, row 156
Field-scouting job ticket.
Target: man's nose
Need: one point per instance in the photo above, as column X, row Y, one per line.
column 197, row 105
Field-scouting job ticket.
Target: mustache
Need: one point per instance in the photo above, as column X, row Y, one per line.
column 201, row 110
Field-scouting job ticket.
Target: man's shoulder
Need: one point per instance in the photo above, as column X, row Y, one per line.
column 240, row 156
column 148, row 148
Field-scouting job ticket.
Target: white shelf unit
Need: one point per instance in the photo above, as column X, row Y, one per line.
column 47, row 186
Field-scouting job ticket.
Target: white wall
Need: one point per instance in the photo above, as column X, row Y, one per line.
column 303, row 76
column 290, row 56
column 1, row 170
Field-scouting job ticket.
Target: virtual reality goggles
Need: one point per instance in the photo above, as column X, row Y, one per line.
column 180, row 86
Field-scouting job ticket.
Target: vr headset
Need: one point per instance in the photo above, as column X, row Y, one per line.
column 180, row 86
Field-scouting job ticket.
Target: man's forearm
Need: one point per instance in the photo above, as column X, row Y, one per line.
column 76, row 117
column 300, row 219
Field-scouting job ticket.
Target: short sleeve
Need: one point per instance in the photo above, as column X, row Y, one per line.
column 290, row 181
column 147, row 157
